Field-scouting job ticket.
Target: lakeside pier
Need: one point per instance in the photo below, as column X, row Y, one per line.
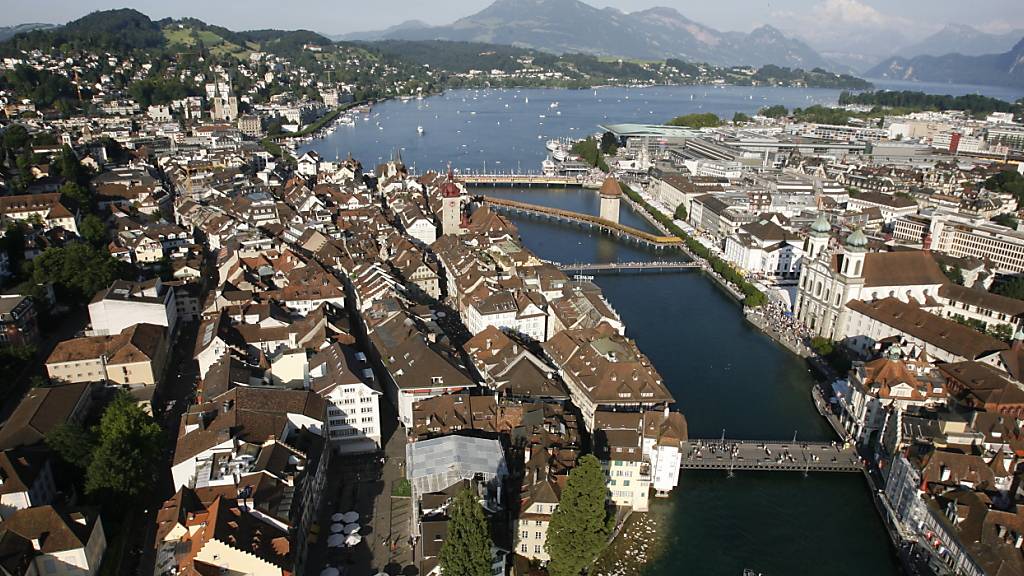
column 770, row 456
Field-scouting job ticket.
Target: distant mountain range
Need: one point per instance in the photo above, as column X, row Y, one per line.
column 8, row 31
column 571, row 26
column 1003, row 69
column 962, row 39
column 389, row 32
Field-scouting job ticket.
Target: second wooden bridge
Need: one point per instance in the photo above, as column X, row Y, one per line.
column 585, row 220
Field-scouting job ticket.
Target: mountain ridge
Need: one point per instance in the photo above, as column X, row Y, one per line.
column 1002, row 69
column 962, row 39
column 568, row 26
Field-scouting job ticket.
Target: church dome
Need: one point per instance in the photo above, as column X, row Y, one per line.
column 857, row 239
column 821, row 225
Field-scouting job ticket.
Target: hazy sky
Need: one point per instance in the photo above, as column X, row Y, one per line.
column 821, row 21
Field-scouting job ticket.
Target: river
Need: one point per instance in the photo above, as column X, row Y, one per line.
column 726, row 377
column 724, row 374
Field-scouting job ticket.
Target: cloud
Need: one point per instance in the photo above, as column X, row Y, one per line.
column 849, row 12
column 847, row 26
column 1000, row 26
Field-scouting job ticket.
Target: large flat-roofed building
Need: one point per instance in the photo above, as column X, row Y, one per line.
column 962, row 237
column 126, row 303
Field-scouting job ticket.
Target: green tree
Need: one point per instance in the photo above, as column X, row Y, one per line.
column 1008, row 220
column 609, row 144
column 13, row 243
column 1013, row 288
column 680, row 213
column 73, row 444
column 706, row 120
column 128, row 445
column 15, row 137
column 579, row 527
column 76, row 193
column 822, row 346
column 77, row 271
column 1008, row 181
column 1003, row 332
column 467, row 546
column 776, row 111
column 740, row 117
column 590, row 151
column 954, row 274
column 93, row 230
column 68, row 166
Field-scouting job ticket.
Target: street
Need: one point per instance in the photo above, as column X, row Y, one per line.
column 179, row 387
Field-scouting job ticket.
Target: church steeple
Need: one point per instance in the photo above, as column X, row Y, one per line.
column 818, row 239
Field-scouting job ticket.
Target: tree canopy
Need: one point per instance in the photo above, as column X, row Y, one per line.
column 705, row 120
column 1013, row 288
column 776, row 111
column 467, row 546
column 43, row 87
column 590, row 151
column 579, row 527
column 73, row 444
column 906, row 99
column 128, row 442
column 77, row 271
column 159, row 91
column 1009, row 182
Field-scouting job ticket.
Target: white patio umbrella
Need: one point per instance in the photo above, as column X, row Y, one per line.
column 336, row 540
column 351, row 528
column 337, row 517
column 329, row 571
column 350, row 516
column 353, row 539
column 337, row 527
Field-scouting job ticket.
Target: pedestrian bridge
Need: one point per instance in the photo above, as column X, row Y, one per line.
column 585, row 220
column 528, row 180
column 770, row 456
column 628, row 267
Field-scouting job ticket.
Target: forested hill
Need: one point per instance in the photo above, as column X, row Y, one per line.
column 125, row 30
